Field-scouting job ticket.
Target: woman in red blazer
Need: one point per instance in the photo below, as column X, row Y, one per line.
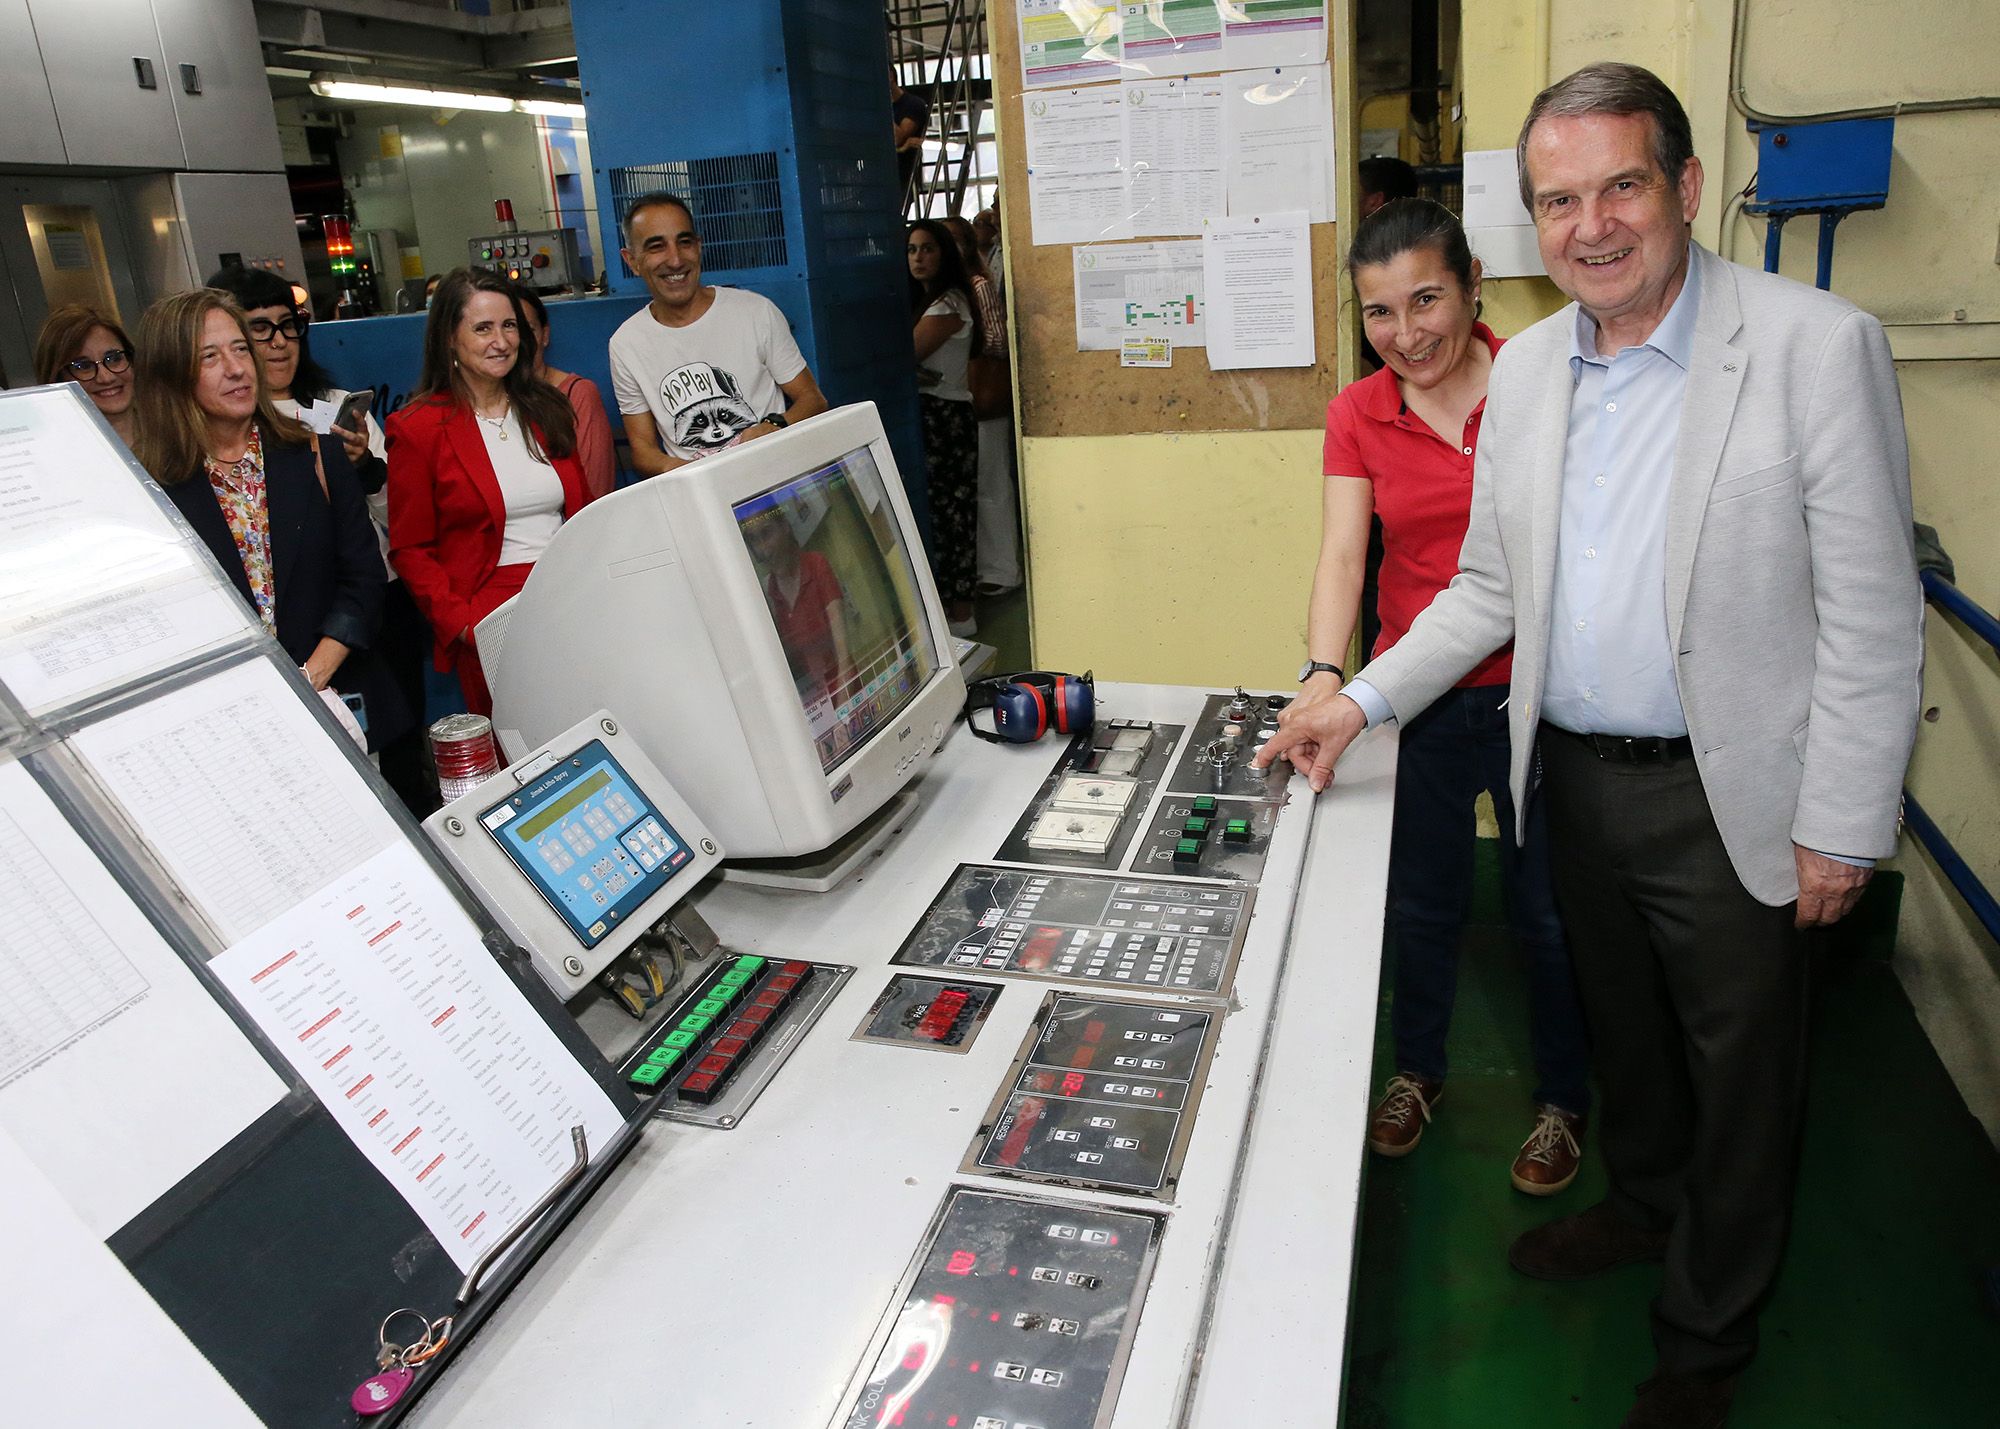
column 482, row 468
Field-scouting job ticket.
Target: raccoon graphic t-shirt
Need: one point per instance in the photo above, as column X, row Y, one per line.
column 708, row 382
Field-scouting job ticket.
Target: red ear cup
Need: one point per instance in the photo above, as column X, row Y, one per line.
column 1062, row 704
column 1041, row 710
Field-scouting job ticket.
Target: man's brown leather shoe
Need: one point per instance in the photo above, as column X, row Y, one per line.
column 1551, row 1154
column 1585, row 1244
column 1397, row 1123
column 1682, row 1402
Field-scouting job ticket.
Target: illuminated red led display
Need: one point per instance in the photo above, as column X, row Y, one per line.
column 945, row 1007
column 961, row 1263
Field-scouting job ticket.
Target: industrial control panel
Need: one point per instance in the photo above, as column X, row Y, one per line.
column 578, row 849
column 1018, row 1312
column 1040, row 1096
column 1079, row 927
column 546, row 260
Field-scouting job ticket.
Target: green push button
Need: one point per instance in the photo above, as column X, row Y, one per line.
column 664, row 1056
column 647, row 1075
column 1204, row 804
column 735, row 977
column 694, row 1024
column 725, row 993
column 750, row 963
column 1236, row 831
column 1195, row 828
column 1187, row 851
column 710, row 1007
column 681, row 1037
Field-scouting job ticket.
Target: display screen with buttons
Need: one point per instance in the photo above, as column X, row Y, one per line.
column 1015, row 1317
column 591, row 843
column 1102, row 1095
column 1083, row 927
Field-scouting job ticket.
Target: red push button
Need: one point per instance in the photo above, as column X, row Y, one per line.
column 697, row 1087
column 714, row 1064
column 726, row 1047
column 796, row 969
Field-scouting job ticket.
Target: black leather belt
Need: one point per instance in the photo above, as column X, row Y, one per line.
column 1631, row 748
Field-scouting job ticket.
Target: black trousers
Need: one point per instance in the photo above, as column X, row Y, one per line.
column 1696, row 998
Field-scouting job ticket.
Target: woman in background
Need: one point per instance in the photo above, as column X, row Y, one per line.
column 299, row 387
column 594, row 450
column 1400, row 444
column 482, row 468
column 999, row 544
column 81, row 345
column 947, row 332
column 280, row 509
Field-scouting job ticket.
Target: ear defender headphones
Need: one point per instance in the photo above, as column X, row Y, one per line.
column 1029, row 704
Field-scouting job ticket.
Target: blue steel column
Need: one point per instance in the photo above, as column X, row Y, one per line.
column 806, row 81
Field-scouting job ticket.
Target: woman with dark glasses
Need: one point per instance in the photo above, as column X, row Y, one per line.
column 81, row 345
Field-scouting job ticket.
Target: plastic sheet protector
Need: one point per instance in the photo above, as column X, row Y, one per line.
column 380, row 992
column 241, row 792
column 98, row 588
column 119, row 1073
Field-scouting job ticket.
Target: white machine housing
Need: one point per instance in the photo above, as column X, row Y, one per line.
column 565, row 962
column 647, row 602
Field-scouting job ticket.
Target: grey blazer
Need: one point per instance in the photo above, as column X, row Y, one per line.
column 1792, row 595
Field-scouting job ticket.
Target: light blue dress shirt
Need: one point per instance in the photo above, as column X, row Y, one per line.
column 1610, row 665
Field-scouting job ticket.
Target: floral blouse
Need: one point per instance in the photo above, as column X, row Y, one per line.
column 239, row 491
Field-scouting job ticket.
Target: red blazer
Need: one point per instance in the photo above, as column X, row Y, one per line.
column 446, row 514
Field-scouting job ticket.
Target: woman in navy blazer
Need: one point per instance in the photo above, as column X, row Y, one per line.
column 282, row 513
column 482, row 468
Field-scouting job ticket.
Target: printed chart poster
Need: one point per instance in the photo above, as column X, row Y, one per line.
column 380, row 992
column 1065, row 42
column 1143, row 290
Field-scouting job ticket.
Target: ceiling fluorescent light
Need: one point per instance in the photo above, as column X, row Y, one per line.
column 567, row 107
column 422, row 96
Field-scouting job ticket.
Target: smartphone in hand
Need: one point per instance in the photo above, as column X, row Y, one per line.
column 353, row 414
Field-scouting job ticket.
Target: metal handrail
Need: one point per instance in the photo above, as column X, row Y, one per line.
column 1985, row 907
column 1949, row 597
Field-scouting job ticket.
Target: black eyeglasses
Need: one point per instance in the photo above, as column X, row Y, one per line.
column 293, row 327
column 115, row 359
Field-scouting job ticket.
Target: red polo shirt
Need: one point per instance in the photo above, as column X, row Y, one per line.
column 1423, row 493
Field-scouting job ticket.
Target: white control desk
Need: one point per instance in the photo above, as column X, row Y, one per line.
column 731, row 1279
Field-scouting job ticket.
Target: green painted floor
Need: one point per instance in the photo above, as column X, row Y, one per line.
column 1003, row 624
column 1878, row 1317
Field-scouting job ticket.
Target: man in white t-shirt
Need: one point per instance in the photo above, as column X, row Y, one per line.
column 698, row 369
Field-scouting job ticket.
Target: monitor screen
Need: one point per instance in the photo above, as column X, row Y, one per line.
column 830, row 558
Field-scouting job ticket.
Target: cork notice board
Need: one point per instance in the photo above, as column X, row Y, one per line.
column 1066, row 393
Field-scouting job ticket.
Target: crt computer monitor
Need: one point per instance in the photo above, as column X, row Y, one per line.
column 763, row 623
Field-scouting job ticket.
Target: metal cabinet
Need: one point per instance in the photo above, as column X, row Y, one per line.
column 100, row 58
column 215, row 71
column 28, row 131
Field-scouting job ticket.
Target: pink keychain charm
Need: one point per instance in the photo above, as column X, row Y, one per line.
column 378, row 1393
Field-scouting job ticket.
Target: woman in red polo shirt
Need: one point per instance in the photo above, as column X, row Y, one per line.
column 1400, row 445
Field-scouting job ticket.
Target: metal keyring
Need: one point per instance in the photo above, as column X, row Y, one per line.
column 382, row 1333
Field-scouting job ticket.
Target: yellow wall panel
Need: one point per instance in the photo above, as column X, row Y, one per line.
column 1171, row 558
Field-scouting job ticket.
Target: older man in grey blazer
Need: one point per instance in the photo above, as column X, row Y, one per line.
column 1691, row 513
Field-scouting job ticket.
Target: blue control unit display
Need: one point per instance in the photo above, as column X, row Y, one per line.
column 590, row 842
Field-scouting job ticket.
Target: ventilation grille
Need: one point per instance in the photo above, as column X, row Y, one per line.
column 738, row 206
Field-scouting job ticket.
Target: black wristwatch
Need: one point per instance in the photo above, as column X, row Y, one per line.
column 1313, row 667
column 776, row 419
